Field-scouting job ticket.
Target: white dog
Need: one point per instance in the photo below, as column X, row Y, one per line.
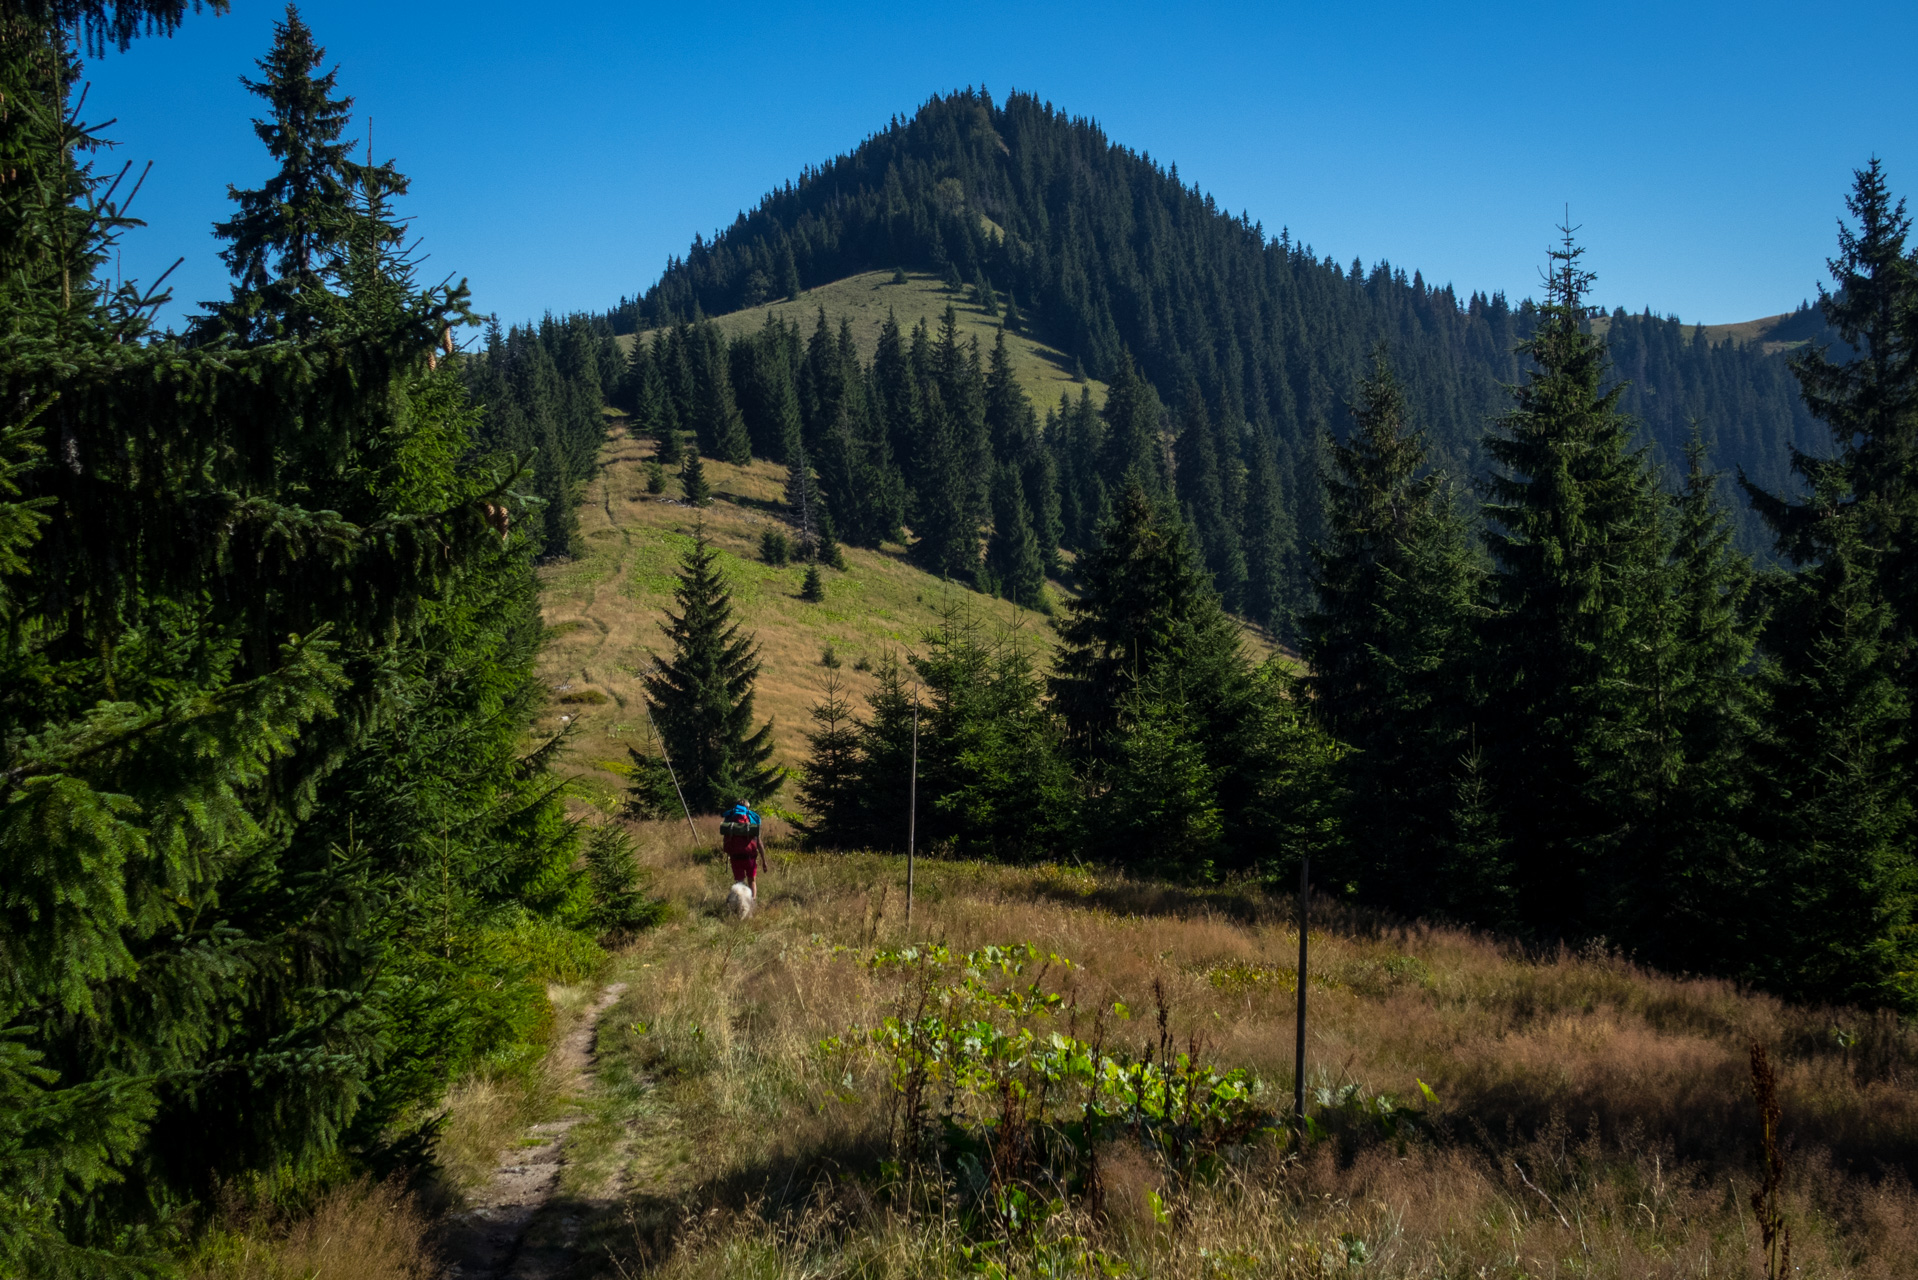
column 739, row 901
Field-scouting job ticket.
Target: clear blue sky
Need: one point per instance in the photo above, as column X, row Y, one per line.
column 560, row 151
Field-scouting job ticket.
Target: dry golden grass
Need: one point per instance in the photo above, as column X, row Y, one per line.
column 363, row 1231
column 486, row 1112
column 1595, row 1118
column 602, row 610
column 865, row 299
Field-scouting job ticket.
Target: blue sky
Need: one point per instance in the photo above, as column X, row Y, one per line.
column 560, row 151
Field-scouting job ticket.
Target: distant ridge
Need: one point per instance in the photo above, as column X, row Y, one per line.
column 1786, row 332
column 1108, row 253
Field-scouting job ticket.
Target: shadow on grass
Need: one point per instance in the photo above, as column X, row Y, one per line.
column 766, row 506
column 1241, row 904
column 838, row 1177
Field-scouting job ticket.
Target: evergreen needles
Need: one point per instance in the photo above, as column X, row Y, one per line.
column 701, row 699
column 266, row 681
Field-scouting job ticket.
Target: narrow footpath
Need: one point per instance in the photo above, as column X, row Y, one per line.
column 505, row 1234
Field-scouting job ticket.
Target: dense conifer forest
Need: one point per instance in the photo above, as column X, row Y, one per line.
column 1579, row 713
column 1110, row 256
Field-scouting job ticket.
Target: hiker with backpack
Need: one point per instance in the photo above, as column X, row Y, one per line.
column 739, row 837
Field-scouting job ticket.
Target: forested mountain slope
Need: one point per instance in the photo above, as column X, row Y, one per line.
column 1106, row 252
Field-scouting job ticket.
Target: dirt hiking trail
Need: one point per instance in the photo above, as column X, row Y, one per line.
column 507, row 1232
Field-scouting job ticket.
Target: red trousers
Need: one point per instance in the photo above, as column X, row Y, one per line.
column 746, row 870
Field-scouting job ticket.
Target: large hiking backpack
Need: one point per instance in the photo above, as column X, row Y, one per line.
column 737, row 831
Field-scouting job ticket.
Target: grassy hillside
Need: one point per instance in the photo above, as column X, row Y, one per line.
column 1585, row 1118
column 602, row 610
column 1786, row 331
column 865, row 299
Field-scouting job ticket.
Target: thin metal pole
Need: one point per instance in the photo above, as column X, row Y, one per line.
column 661, row 739
column 912, row 812
column 1298, row 1054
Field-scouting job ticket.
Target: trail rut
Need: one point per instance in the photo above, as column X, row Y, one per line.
column 505, row 1234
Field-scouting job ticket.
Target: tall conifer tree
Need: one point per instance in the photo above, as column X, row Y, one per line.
column 1267, row 537
column 1695, row 744
column 946, row 527
column 720, row 426
column 1576, row 543
column 1201, row 493
column 199, row 987
column 1133, row 445
column 286, row 233
column 895, row 399
column 1835, row 817
column 830, row 793
column 1388, row 649
column 1013, row 560
column 1144, row 605
column 701, row 698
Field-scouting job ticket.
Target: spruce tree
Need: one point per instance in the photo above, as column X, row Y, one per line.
column 1266, row 536
column 1576, row 543
column 1039, row 478
column 631, row 388
column 885, row 758
column 1160, row 809
column 1866, row 403
column 861, row 488
column 988, row 299
column 285, row 233
column 720, row 426
column 768, row 397
column 961, row 387
column 1077, row 436
column 202, row 985
column 828, row 551
column 1696, row 746
column 554, row 479
column 1388, row 650
column 895, row 399
column 1010, row 423
column 656, row 415
column 1202, row 493
column 1834, row 876
column 1012, row 552
column 692, row 480
column 774, row 548
column 1834, row 817
column 813, row 589
column 1152, row 675
column 830, row 794
column 701, row 696
column 954, row 454
column 947, row 541
column 1133, row 449
column 992, row 777
column 1144, row 605
column 788, row 272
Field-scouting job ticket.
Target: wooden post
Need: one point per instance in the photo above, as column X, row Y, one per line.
column 1298, row 1051
column 912, row 812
